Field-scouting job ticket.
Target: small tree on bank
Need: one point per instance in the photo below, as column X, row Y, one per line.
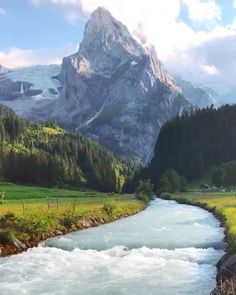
column 218, row 177
column 144, row 191
column 172, row 182
column 225, row 175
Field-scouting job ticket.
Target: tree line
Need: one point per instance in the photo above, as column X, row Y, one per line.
column 194, row 142
column 224, row 175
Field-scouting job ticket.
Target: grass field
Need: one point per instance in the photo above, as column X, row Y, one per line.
column 223, row 204
column 25, row 215
column 19, row 198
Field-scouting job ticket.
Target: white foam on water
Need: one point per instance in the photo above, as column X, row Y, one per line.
column 87, row 263
column 113, row 271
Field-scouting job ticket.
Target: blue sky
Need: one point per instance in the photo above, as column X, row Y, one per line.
column 189, row 35
column 29, row 27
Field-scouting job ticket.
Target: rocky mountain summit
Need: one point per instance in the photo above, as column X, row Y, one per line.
column 115, row 90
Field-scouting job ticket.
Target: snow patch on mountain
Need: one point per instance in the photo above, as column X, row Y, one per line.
column 41, row 78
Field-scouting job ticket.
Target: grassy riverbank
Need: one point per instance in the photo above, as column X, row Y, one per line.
column 25, row 224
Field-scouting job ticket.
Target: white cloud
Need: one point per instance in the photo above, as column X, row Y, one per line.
column 18, row 57
column 211, row 63
column 203, row 10
column 210, row 69
column 234, row 5
column 2, row 11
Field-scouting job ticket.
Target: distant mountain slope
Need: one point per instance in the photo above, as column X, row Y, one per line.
column 197, row 96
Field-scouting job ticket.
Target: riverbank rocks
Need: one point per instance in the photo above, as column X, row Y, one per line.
column 226, row 268
column 20, row 245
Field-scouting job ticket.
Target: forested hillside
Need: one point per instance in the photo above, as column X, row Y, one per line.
column 194, row 142
column 44, row 154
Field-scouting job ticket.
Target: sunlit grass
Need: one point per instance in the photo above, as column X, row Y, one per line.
column 41, row 205
column 19, row 198
column 52, row 131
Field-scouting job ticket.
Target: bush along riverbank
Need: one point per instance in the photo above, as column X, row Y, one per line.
column 222, row 207
column 21, row 232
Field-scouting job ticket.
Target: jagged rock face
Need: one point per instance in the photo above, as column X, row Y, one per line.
column 195, row 95
column 116, row 91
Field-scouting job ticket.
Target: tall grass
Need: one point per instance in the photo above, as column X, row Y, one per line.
column 228, row 287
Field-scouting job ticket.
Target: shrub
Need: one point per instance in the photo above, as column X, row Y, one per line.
column 172, row 182
column 69, row 219
column 218, row 177
column 110, row 206
column 165, row 195
column 8, row 220
column 7, row 237
column 144, row 191
column 38, row 226
column 224, row 175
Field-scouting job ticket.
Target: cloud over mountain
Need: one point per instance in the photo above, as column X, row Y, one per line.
column 18, row 57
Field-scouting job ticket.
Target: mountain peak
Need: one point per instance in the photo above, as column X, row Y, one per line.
column 107, row 43
column 101, row 15
column 102, row 19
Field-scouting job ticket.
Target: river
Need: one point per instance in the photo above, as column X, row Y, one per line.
column 168, row 249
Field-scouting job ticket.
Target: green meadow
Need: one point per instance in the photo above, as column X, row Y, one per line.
column 19, row 198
